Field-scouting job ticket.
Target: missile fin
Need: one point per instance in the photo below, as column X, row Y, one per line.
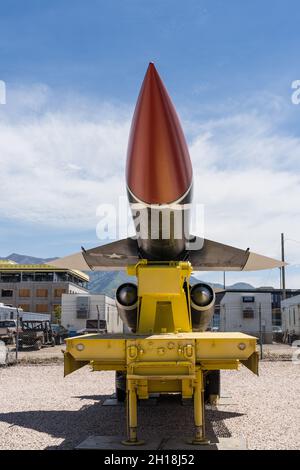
column 114, row 256
column 215, row 256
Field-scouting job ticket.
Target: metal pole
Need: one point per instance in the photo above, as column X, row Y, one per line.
column 260, row 332
column 17, row 335
column 280, row 277
column 283, row 267
column 98, row 318
column 224, row 280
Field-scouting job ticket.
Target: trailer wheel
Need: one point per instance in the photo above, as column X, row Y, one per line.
column 120, row 381
column 212, row 386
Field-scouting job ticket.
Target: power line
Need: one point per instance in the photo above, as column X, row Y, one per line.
column 292, row 240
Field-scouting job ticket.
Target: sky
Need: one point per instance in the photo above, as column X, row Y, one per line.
column 72, row 72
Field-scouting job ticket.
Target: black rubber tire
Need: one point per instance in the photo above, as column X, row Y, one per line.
column 212, row 384
column 38, row 345
column 120, row 386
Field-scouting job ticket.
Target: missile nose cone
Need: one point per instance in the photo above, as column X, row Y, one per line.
column 158, row 169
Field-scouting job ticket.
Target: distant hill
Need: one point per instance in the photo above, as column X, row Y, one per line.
column 240, row 286
column 25, row 259
column 107, row 282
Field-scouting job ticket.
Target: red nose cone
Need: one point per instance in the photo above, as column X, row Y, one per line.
column 159, row 169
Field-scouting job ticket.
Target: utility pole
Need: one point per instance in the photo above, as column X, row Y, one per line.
column 17, row 334
column 260, row 332
column 98, row 319
column 280, row 278
column 283, row 268
column 224, row 280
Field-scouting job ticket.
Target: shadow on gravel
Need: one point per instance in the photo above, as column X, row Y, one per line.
column 167, row 419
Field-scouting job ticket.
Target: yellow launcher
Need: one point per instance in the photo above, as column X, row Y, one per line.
column 163, row 361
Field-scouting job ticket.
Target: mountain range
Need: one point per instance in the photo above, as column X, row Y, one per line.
column 106, row 282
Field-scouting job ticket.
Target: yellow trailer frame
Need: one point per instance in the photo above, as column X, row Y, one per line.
column 169, row 363
column 161, row 361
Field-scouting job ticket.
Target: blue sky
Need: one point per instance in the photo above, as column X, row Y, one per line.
column 73, row 70
column 101, row 48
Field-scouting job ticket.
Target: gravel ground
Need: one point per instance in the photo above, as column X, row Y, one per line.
column 39, row 409
column 43, row 356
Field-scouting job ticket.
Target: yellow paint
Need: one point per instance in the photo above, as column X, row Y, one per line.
column 165, row 356
column 163, row 303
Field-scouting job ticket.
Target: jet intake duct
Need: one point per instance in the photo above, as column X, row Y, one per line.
column 202, row 305
column 127, row 303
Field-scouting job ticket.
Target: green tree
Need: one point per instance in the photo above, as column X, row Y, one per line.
column 57, row 314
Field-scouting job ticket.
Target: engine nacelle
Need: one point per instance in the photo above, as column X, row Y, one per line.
column 127, row 304
column 202, row 305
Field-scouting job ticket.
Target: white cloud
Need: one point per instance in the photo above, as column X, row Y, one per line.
column 247, row 175
column 61, row 158
column 57, row 165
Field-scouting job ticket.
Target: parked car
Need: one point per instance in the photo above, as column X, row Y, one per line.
column 277, row 334
column 36, row 334
column 72, row 333
column 94, row 326
column 8, row 331
column 59, row 333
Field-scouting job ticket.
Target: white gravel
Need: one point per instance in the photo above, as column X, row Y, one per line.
column 39, row 409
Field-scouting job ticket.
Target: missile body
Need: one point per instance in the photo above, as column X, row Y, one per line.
column 158, row 174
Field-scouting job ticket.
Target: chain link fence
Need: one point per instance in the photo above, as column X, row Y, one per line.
column 25, row 331
column 31, row 331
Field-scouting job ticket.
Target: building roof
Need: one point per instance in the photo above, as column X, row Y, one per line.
column 15, row 268
column 291, row 301
column 269, row 290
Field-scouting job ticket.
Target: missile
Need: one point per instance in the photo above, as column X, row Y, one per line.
column 159, row 180
column 158, row 173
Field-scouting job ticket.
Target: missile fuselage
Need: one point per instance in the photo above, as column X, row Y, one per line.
column 158, row 174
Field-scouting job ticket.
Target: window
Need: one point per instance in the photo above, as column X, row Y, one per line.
column 82, row 306
column 41, row 308
column 10, row 277
column 7, row 324
column 24, row 292
column 62, row 277
column 41, row 277
column 7, row 293
column 28, row 277
column 248, row 313
column 25, row 307
column 59, row 292
column 42, row 292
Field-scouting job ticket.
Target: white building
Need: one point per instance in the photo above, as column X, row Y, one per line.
column 78, row 308
column 242, row 311
column 290, row 312
column 7, row 312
